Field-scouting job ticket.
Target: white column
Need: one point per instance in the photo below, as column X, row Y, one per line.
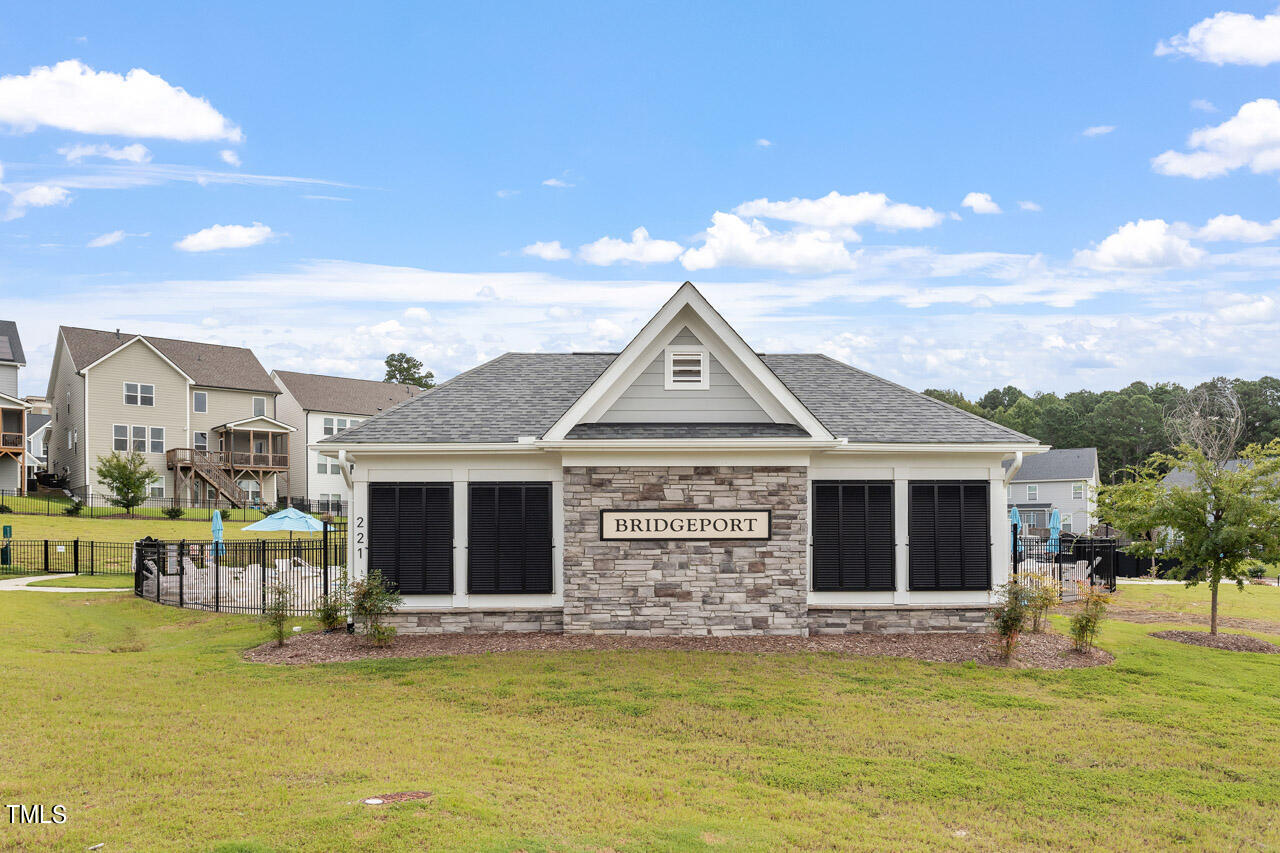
column 460, row 597
column 358, row 529
column 1000, row 535
column 901, row 508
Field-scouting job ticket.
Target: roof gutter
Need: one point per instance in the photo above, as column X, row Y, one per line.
column 1013, row 469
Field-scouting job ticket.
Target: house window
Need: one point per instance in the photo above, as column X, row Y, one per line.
column 140, row 439
column 138, row 394
column 157, row 488
column 119, row 437
column 1077, row 491
column 1066, row 525
column 335, row 467
column 322, row 465
column 71, row 439
column 202, row 441
column 509, row 538
column 328, row 426
column 949, row 536
column 157, row 439
column 200, row 402
column 411, row 536
column 251, row 488
column 1033, row 492
column 259, row 407
column 686, row 369
column 852, row 536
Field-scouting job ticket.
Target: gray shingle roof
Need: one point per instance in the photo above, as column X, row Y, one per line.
column 1187, row 479
column 10, row 344
column 210, row 365
column 1074, row 463
column 344, row 395
column 728, row 430
column 520, row 394
column 34, row 422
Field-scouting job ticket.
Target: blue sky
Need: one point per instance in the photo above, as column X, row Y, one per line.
column 328, row 186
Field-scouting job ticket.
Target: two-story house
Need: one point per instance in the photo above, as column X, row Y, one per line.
column 321, row 406
column 13, row 412
column 1065, row 480
column 203, row 415
column 37, row 443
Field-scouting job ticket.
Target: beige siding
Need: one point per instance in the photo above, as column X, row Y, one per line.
column 226, row 406
column 9, row 379
column 104, row 384
column 289, row 412
column 66, row 391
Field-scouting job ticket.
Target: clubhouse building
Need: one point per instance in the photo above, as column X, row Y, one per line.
column 687, row 485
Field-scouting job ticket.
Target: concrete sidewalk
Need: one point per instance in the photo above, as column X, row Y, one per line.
column 23, row 583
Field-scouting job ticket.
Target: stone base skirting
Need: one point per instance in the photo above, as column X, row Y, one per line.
column 477, row 621
column 822, row 620
column 899, row 620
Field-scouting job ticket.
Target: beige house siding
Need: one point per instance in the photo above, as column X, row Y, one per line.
column 288, row 411
column 136, row 362
column 9, row 379
column 66, row 404
column 226, row 406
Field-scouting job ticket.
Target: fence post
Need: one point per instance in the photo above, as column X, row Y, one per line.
column 92, row 546
column 262, row 564
column 46, row 556
column 324, row 560
column 217, row 570
column 75, row 554
column 182, row 567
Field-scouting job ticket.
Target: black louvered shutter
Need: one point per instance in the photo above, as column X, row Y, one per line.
column 950, row 536
column 411, row 536
column 509, row 538
column 852, row 536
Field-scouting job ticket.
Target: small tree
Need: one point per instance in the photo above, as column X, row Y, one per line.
column 407, row 370
column 127, row 476
column 331, row 611
column 371, row 602
column 1216, row 527
column 1088, row 617
column 1008, row 617
column 276, row 611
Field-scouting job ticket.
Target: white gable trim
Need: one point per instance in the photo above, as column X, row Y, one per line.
column 136, row 339
column 719, row 337
column 283, row 427
column 20, row 404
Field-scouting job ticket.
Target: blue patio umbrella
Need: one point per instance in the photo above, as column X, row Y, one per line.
column 1016, row 521
column 289, row 519
column 218, row 548
column 1055, row 528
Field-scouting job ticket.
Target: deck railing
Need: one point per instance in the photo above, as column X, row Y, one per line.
column 226, row 458
column 12, row 439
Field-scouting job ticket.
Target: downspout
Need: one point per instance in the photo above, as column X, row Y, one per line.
column 346, row 472
column 1013, row 469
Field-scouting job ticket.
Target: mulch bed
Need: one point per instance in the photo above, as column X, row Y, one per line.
column 1226, row 642
column 1035, row 651
column 1152, row 617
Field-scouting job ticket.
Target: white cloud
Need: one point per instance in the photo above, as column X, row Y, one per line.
column 135, row 153
column 1233, row 38
column 1203, row 106
column 980, row 203
column 764, row 143
column 1098, row 130
column 1145, row 244
column 551, row 251
column 1235, row 228
column 72, row 96
column 39, row 195
column 843, row 211
column 1030, row 206
column 556, row 182
column 218, row 237
column 605, row 329
column 230, row 157
column 418, row 313
column 326, row 198
column 108, row 239
column 641, row 249
column 507, row 193
column 733, row 242
column 1249, row 138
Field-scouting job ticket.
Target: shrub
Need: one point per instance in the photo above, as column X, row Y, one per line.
column 276, row 611
column 1088, row 619
column 1008, row 616
column 5, row 508
column 1040, row 599
column 73, row 509
column 173, row 512
column 371, row 602
column 331, row 613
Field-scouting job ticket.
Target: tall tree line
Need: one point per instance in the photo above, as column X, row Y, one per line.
column 1126, row 426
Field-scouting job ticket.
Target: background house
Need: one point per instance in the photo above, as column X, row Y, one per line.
column 320, row 406
column 37, row 443
column 13, row 411
column 1066, row 480
column 202, row 414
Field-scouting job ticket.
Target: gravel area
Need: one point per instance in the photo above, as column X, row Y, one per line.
column 1227, row 642
column 1035, row 651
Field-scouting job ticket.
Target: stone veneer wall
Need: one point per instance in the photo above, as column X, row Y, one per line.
column 685, row 587
column 477, row 621
column 898, row 620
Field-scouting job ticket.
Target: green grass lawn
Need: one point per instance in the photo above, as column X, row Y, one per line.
column 121, row 529
column 1253, row 602
column 146, row 724
column 93, row 581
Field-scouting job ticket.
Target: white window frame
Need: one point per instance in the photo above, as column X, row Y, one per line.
column 133, row 438
column 156, row 485
column 200, row 402
column 1033, row 491
column 138, row 395
column 256, row 401
column 1077, row 487
column 328, row 427
column 151, row 439
column 670, row 382
column 115, row 438
column 322, row 464
column 197, row 443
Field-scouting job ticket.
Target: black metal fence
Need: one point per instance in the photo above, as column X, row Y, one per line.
column 70, row 556
column 1067, row 562
column 99, row 506
column 238, row 576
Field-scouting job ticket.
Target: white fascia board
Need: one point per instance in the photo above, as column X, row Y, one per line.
column 911, row 447
column 388, row 449
column 150, row 346
column 17, row 404
column 666, row 445
column 233, row 424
